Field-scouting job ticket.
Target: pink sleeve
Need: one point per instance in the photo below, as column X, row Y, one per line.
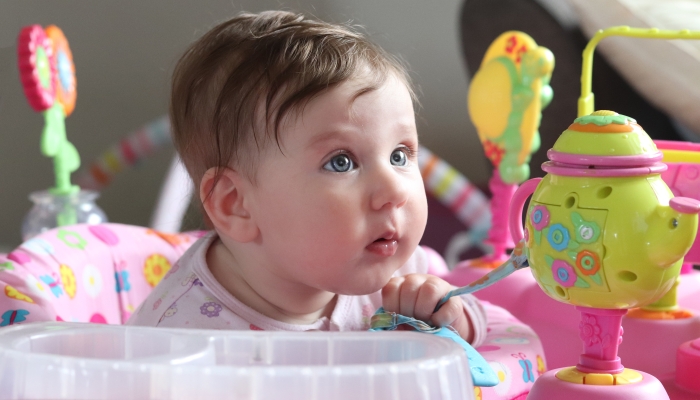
column 477, row 314
column 420, row 262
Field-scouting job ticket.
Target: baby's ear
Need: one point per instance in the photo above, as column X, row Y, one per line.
column 224, row 202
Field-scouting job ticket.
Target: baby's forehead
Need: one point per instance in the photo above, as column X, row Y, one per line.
column 329, row 110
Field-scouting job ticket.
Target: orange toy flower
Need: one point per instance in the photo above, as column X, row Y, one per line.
column 66, row 92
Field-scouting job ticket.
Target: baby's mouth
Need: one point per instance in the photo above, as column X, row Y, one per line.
column 384, row 246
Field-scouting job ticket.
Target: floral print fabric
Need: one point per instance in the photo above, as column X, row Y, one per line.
column 85, row 273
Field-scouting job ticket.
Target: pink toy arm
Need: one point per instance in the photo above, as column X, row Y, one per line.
column 501, row 195
column 516, row 207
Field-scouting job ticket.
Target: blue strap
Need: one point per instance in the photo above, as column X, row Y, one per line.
column 481, row 372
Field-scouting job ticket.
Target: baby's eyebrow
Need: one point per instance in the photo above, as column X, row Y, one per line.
column 333, row 134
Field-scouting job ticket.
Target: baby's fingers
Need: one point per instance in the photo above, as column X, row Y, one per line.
column 390, row 294
column 430, row 293
column 410, row 292
column 449, row 313
column 452, row 313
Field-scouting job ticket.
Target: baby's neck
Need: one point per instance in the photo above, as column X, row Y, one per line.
column 264, row 292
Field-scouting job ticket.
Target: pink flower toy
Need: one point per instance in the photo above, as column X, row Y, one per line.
column 47, row 73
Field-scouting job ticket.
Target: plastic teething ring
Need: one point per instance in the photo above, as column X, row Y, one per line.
column 66, row 91
column 37, row 67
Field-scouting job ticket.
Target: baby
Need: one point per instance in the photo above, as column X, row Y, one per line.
column 301, row 138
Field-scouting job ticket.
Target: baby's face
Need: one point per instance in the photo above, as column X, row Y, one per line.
column 343, row 206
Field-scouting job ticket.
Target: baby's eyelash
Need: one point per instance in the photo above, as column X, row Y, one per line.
column 411, row 151
column 342, row 152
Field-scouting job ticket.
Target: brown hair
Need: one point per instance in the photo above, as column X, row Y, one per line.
column 277, row 59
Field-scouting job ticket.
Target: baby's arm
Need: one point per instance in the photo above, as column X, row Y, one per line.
column 416, row 295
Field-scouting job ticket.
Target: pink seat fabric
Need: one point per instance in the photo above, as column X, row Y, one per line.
column 85, row 273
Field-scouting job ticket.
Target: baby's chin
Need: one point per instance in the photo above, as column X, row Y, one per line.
column 360, row 288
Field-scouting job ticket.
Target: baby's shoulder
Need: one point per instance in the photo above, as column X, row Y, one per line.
column 177, row 282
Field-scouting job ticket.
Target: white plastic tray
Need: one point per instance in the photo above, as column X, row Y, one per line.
column 61, row 360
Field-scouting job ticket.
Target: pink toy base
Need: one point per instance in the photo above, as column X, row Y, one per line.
column 548, row 387
column 674, row 392
column 642, row 348
column 688, row 366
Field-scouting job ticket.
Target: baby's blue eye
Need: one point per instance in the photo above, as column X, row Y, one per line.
column 339, row 163
column 398, row 158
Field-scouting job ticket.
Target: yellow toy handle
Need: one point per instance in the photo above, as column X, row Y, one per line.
column 585, row 102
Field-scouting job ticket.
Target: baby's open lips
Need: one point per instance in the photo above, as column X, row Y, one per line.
column 385, row 245
column 387, row 236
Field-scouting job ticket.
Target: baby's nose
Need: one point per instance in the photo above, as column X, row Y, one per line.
column 390, row 190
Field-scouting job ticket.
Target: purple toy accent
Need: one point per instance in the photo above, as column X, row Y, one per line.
column 601, row 332
column 580, row 170
column 516, row 207
column 643, row 160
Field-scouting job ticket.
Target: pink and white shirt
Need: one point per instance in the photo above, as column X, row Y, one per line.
column 190, row 297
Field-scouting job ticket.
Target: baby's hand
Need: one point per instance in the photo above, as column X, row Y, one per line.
column 416, row 295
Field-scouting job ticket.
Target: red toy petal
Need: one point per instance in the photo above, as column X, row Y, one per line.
column 37, row 67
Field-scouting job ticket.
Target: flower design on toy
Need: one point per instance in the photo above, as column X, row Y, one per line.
column 588, row 262
column 47, row 74
column 586, row 231
column 558, row 237
column 589, row 330
column 539, row 217
column 563, row 273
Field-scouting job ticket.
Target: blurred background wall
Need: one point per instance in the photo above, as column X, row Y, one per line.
column 124, row 54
